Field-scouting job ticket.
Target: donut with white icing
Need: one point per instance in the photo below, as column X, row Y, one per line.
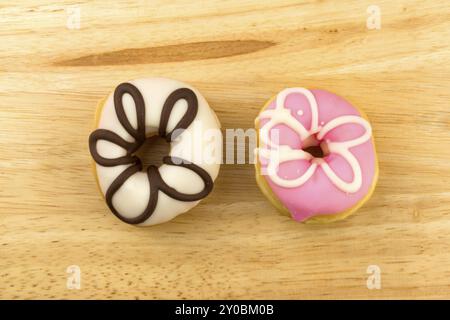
column 316, row 158
column 142, row 108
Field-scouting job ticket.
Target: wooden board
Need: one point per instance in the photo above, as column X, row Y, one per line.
column 238, row 54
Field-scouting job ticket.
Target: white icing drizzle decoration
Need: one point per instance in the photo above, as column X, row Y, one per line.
column 277, row 154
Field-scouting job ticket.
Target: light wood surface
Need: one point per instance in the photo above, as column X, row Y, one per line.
column 238, row 54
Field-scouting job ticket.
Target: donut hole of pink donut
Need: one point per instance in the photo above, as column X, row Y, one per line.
column 316, row 147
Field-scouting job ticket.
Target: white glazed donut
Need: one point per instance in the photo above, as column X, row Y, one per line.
column 177, row 112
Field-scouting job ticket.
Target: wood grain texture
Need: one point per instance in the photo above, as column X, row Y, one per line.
column 238, row 54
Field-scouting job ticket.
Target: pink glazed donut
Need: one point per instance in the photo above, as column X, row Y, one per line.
column 316, row 157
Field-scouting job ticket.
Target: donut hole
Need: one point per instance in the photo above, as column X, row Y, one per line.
column 153, row 150
column 315, row 151
column 315, row 147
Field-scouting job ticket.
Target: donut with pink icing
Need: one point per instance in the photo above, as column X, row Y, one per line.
column 316, row 157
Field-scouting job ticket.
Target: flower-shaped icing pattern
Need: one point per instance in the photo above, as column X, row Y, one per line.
column 299, row 118
column 137, row 132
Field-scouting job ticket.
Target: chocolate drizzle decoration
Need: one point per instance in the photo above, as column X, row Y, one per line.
column 155, row 180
